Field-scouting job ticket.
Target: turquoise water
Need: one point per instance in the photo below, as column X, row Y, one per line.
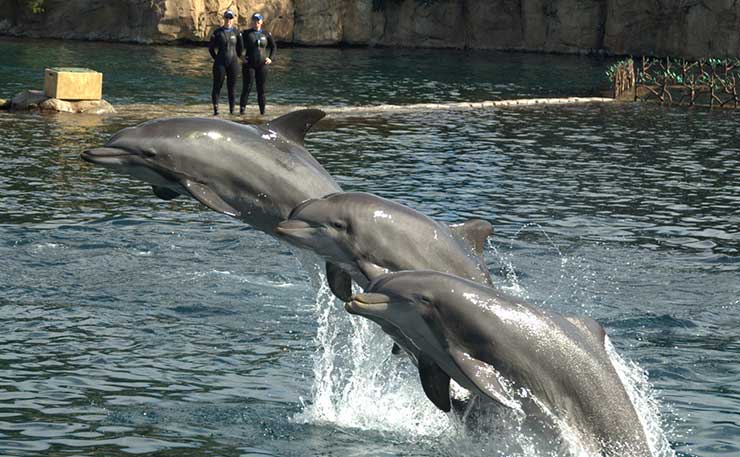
column 129, row 325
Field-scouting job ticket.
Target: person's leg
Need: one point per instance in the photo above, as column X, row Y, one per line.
column 260, row 76
column 246, row 87
column 219, row 72
column 231, row 75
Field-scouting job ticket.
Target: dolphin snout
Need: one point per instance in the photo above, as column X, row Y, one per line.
column 368, row 302
column 101, row 155
column 288, row 226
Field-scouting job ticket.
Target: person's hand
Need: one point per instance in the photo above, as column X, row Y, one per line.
column 268, row 60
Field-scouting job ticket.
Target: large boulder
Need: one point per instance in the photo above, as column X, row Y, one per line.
column 318, row 22
column 36, row 100
column 82, row 106
column 27, row 100
column 686, row 28
column 692, row 29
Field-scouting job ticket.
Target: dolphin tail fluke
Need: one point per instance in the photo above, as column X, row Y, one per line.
column 436, row 383
column 474, row 232
column 340, row 282
column 294, row 126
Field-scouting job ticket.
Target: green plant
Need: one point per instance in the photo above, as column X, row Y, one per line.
column 36, row 6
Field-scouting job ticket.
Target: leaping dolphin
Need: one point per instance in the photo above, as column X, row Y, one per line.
column 257, row 173
column 363, row 236
column 494, row 345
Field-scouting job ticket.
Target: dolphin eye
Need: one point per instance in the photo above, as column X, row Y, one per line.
column 149, row 152
column 339, row 225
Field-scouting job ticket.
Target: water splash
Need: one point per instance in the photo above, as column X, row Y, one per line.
column 512, row 284
column 359, row 384
column 640, row 391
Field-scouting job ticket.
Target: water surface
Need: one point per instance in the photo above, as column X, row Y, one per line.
column 130, row 325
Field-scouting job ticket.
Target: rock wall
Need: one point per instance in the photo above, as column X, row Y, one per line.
column 688, row 28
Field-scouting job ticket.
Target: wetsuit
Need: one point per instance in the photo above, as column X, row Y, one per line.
column 225, row 47
column 258, row 46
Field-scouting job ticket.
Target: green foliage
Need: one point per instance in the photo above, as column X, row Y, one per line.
column 676, row 71
column 36, row 6
column 617, row 66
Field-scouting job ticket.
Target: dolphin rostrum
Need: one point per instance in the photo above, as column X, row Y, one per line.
column 363, row 236
column 257, row 173
column 498, row 346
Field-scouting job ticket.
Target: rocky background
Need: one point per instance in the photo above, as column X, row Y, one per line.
column 686, row 28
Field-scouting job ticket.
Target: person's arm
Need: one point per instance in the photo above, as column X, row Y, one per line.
column 239, row 45
column 271, row 46
column 212, row 45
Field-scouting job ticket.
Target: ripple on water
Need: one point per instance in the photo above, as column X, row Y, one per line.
column 136, row 326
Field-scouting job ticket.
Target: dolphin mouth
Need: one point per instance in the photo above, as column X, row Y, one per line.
column 104, row 155
column 292, row 229
column 368, row 303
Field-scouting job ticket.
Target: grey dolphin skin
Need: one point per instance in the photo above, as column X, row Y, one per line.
column 495, row 345
column 363, row 236
column 257, row 173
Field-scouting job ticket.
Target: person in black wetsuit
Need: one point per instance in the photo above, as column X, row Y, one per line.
column 259, row 50
column 225, row 48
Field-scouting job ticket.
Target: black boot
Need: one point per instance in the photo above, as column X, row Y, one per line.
column 241, row 109
column 215, row 110
column 231, row 109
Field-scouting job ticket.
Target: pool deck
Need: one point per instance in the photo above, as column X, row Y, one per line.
column 275, row 110
column 468, row 105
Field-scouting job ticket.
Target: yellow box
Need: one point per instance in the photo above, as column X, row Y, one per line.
column 73, row 83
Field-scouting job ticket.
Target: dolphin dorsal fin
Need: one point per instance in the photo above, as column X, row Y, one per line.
column 485, row 377
column 474, row 232
column 294, row 126
column 436, row 383
column 589, row 326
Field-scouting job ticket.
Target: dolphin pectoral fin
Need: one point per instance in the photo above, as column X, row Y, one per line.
column 164, row 193
column 474, row 232
column 340, row 282
column 205, row 195
column 294, row 126
column 589, row 326
column 484, row 377
column 396, row 349
column 436, row 383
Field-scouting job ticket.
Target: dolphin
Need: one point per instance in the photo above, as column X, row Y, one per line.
column 499, row 346
column 363, row 236
column 257, row 173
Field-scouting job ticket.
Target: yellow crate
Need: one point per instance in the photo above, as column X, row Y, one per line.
column 73, row 83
